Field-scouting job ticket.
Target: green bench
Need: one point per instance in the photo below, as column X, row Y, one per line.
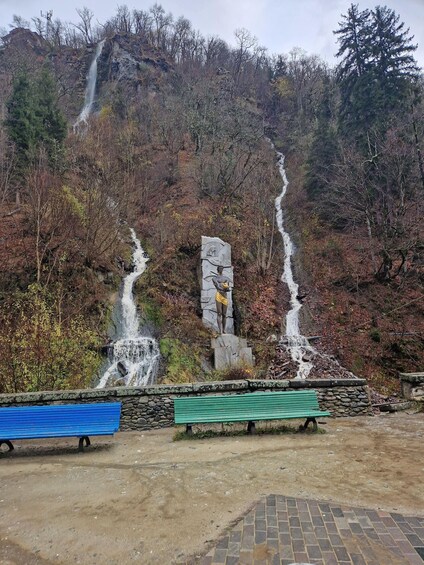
column 249, row 408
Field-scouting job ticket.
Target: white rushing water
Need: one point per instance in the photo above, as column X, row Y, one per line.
column 134, row 359
column 295, row 342
column 90, row 89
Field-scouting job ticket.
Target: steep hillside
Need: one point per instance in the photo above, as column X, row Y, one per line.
column 179, row 157
column 375, row 328
column 177, row 147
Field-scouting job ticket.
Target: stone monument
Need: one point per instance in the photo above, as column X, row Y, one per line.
column 229, row 350
column 215, row 252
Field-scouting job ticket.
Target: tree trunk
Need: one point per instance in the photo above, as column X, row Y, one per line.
column 418, row 150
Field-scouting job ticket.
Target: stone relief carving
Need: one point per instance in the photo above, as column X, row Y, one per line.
column 215, row 252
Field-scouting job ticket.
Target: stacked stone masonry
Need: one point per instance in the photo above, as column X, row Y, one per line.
column 412, row 385
column 151, row 407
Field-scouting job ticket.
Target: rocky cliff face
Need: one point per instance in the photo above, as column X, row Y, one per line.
column 129, row 64
column 126, row 57
column 126, row 60
column 25, row 41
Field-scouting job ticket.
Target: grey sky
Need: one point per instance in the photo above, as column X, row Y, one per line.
column 279, row 25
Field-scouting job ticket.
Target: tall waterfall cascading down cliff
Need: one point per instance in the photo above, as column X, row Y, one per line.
column 134, row 359
column 90, row 89
column 294, row 341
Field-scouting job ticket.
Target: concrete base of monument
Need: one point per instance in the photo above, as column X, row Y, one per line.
column 231, row 351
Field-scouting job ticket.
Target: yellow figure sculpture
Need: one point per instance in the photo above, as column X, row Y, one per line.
column 222, row 285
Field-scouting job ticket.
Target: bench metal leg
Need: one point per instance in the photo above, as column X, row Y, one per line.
column 81, row 442
column 251, row 429
column 303, row 427
column 189, row 429
column 8, row 443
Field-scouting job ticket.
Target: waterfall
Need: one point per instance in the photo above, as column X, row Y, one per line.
column 90, row 89
column 133, row 359
column 296, row 343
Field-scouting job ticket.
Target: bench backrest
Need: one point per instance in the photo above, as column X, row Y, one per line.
column 250, row 406
column 29, row 422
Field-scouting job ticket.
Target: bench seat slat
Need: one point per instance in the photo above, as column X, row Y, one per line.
column 57, row 433
column 243, row 417
column 253, row 417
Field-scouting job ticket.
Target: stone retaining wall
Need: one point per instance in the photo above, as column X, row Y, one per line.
column 150, row 407
column 412, row 385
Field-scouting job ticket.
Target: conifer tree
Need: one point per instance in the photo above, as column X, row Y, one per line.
column 21, row 122
column 34, row 119
column 50, row 120
column 394, row 67
column 323, row 151
column 376, row 70
column 352, row 70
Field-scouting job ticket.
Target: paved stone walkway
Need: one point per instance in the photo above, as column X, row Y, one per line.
column 286, row 531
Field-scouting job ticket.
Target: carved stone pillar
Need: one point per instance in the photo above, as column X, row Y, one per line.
column 215, row 252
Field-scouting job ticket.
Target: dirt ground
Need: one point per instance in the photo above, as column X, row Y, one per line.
column 141, row 497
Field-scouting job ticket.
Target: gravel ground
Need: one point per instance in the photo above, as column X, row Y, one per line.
column 141, row 497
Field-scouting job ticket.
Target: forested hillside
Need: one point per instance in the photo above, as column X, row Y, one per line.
column 178, row 146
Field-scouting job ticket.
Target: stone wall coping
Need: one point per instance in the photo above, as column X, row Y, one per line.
column 412, row 377
column 326, row 383
column 254, row 384
column 220, row 386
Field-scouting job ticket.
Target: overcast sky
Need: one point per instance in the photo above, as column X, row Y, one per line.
column 279, row 25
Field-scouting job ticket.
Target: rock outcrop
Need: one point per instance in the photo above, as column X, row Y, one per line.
column 324, row 366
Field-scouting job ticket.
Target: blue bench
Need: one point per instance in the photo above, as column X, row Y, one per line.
column 61, row 420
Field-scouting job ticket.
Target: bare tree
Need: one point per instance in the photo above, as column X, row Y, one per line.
column 43, row 213
column 19, row 21
column 85, row 25
column 142, row 23
column 243, row 54
column 380, row 192
column 216, row 52
column 161, row 25
column 123, row 21
column 7, row 166
column 56, row 33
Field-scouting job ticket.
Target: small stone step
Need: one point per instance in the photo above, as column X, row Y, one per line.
column 394, row 406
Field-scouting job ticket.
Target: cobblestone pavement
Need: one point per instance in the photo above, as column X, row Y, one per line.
column 288, row 531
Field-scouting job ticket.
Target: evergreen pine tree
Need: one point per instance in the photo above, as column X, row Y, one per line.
column 323, row 151
column 21, row 122
column 352, row 72
column 34, row 120
column 376, row 70
column 50, row 120
column 394, row 67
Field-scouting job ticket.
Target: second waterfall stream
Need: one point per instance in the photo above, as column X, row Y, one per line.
column 295, row 342
column 133, row 358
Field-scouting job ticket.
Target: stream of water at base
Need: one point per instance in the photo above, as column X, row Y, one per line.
column 133, row 358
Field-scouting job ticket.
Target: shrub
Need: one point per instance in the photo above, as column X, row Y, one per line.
column 239, row 373
column 41, row 351
column 375, row 335
column 182, row 361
